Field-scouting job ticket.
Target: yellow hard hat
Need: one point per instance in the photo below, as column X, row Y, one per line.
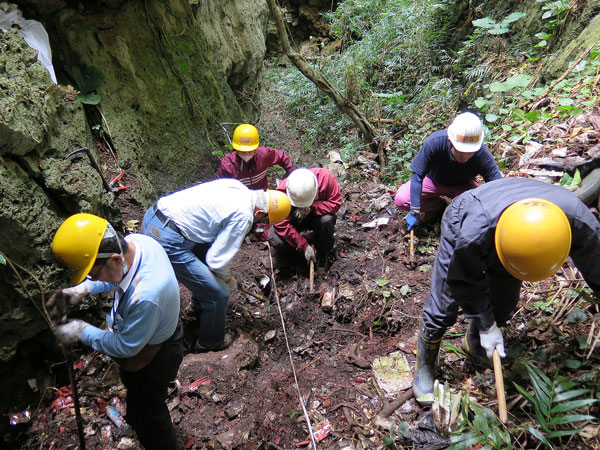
column 279, row 206
column 76, row 243
column 533, row 239
column 245, row 138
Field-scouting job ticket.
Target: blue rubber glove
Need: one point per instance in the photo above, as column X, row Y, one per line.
column 411, row 219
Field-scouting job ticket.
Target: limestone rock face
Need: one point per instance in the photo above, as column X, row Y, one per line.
column 236, row 31
column 166, row 87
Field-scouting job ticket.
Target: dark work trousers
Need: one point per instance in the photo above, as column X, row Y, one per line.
column 147, row 411
column 323, row 228
column 441, row 307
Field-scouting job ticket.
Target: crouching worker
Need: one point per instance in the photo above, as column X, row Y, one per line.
column 494, row 237
column 315, row 197
column 144, row 333
column 446, row 165
column 202, row 228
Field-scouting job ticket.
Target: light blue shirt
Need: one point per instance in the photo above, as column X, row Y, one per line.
column 147, row 312
column 220, row 211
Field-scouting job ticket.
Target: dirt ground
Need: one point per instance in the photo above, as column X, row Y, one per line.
column 289, row 345
column 246, row 396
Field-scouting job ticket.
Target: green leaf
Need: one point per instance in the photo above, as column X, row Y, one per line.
column 539, row 436
column 486, row 22
column 386, row 294
column 513, row 17
column 491, row 117
column 568, row 406
column 89, row 99
column 506, row 127
column 559, row 433
column 534, row 116
column 572, row 364
column 571, row 418
column 183, row 68
column 576, row 179
column 480, row 102
column 499, row 30
column 576, row 315
column 382, row 282
column 570, row 394
column 2, row 260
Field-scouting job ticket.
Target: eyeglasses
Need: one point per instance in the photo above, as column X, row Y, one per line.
column 98, row 269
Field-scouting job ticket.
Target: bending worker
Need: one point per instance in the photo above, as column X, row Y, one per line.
column 249, row 162
column 446, row 165
column 202, row 228
column 315, row 197
column 493, row 238
column 144, row 333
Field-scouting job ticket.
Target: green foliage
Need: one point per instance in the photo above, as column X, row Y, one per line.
column 551, row 400
column 496, row 28
column 479, row 428
column 86, row 80
column 555, row 13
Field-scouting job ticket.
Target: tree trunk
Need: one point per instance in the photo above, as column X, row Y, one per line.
column 367, row 130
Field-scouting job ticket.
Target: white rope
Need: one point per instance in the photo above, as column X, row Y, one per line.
column 287, row 344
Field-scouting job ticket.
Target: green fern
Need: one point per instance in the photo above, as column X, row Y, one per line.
column 551, row 399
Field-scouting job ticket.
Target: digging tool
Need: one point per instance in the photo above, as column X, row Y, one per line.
column 93, row 162
column 412, row 246
column 258, row 296
column 500, row 387
column 312, row 276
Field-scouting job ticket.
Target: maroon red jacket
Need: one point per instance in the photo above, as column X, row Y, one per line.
column 254, row 173
column 327, row 201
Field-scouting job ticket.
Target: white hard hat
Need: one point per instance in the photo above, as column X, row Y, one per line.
column 466, row 132
column 302, row 187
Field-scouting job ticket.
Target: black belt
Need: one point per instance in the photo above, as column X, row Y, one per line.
column 165, row 220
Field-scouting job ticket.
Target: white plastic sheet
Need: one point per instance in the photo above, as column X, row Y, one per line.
column 32, row 31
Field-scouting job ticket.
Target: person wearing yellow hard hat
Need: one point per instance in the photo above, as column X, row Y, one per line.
column 493, row 238
column 446, row 165
column 144, row 333
column 309, row 231
column 202, row 228
column 250, row 161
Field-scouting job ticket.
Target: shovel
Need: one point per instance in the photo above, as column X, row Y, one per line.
column 500, row 387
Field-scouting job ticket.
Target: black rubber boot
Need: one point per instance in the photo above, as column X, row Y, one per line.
column 428, row 347
column 472, row 345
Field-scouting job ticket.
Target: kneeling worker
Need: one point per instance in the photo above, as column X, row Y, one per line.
column 315, row 197
column 144, row 332
column 494, row 237
column 202, row 228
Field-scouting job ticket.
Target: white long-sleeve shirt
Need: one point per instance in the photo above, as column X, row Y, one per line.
column 220, row 212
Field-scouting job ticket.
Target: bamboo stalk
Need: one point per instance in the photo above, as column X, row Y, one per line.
column 500, row 387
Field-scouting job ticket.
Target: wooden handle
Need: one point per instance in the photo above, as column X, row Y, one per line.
column 312, row 275
column 412, row 245
column 500, row 387
column 246, row 291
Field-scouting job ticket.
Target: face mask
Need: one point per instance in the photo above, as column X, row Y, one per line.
column 246, row 156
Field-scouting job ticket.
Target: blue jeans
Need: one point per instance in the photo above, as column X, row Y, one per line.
column 210, row 293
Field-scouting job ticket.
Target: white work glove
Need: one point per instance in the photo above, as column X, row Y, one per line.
column 231, row 283
column 70, row 332
column 57, row 303
column 309, row 254
column 300, row 213
column 492, row 339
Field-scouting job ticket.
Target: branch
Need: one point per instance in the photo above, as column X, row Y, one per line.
column 367, row 130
